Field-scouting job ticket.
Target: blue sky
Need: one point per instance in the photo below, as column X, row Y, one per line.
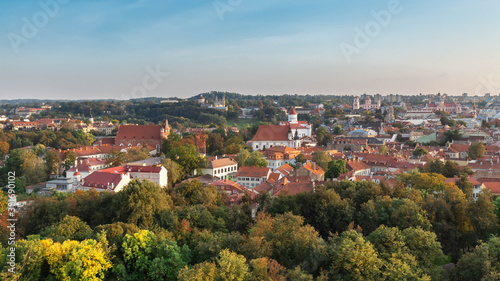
column 103, row 49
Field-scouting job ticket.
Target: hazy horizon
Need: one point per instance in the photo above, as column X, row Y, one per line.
column 112, row 50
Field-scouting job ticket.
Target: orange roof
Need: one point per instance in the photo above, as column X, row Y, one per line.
column 317, row 171
column 292, row 112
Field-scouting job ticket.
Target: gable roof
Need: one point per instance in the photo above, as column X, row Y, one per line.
column 221, row 162
column 315, row 169
column 253, row 172
column 271, row 133
column 139, row 132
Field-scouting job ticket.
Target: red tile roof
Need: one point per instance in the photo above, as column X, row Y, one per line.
column 493, row 186
column 271, row 133
column 101, row 180
column 317, row 169
column 253, row 172
column 139, row 132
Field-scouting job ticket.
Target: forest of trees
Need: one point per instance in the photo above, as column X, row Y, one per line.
column 342, row 231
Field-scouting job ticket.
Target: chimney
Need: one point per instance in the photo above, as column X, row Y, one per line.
column 314, row 166
column 215, row 157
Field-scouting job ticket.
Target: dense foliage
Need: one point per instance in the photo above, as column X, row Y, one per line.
column 342, row 231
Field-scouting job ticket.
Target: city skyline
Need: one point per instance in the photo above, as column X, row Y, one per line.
column 110, row 50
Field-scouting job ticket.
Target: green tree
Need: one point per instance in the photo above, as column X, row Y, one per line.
column 4, row 148
column 242, row 157
column 336, row 168
column 232, row 267
column 256, row 159
column 215, row 142
column 69, row 158
column 148, row 258
column 420, row 152
column 337, row 130
column 322, row 136
column 424, row 246
column 52, row 161
column 322, row 159
column 42, row 213
column 194, row 193
column 116, row 158
column 480, row 264
column 205, row 271
column 140, row 201
column 382, row 150
column 173, row 140
column 69, row 228
column 300, row 158
column 187, row 156
column 353, row 258
column 476, row 150
column 450, row 169
column 175, row 171
column 34, row 170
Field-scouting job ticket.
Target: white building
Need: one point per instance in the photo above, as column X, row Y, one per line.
column 250, row 177
column 222, row 168
column 299, row 128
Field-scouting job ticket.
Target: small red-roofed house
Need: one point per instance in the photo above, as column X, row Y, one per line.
column 358, row 167
column 250, row 177
column 105, row 181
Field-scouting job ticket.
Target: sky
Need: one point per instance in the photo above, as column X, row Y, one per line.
column 110, row 49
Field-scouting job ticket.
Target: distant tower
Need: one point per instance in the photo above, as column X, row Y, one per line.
column 389, row 117
column 224, row 100
column 91, row 119
column 201, row 99
column 475, row 111
column 355, row 103
column 292, row 115
column 166, row 130
column 379, row 102
column 368, row 100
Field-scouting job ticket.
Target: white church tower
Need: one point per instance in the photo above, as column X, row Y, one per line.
column 355, row 103
column 292, row 116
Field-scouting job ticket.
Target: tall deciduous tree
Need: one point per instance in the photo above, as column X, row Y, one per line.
column 322, row 159
column 322, row 136
column 256, row 159
column 187, row 156
column 52, row 161
column 175, row 171
column 34, row 170
column 140, row 201
column 336, row 168
column 476, row 150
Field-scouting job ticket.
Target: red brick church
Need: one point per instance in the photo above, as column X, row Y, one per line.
column 137, row 135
